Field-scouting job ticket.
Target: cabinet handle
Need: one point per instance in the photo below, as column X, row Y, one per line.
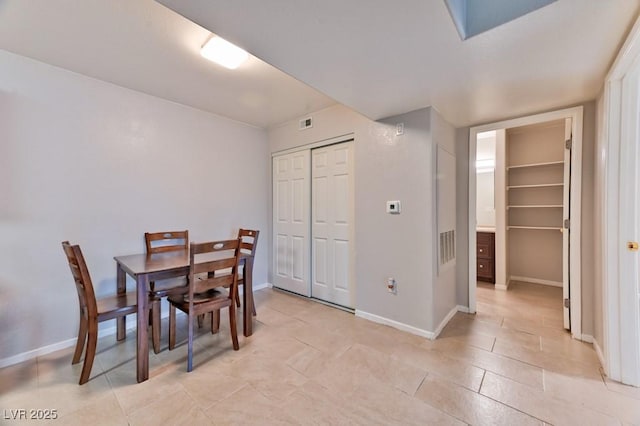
column 481, row 266
column 481, row 250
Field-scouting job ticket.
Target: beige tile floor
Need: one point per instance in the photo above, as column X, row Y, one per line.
column 511, row 364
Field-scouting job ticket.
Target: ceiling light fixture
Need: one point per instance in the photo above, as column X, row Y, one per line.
column 223, row 53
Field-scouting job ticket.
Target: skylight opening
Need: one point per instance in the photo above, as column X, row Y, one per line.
column 472, row 17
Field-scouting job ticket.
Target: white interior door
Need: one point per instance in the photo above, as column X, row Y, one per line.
column 291, row 222
column 332, row 224
column 628, row 221
column 566, row 214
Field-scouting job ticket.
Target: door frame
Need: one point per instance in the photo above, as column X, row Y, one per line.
column 575, row 261
column 621, row 344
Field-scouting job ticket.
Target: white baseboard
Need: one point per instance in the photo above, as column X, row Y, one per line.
column 587, row 338
column 464, row 309
column 600, row 354
column 44, row 350
column 431, row 335
column 536, row 281
column 444, row 322
column 261, row 286
column 503, row 287
column 25, row 356
column 395, row 324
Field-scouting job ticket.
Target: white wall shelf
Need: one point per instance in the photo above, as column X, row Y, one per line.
column 541, row 185
column 536, row 206
column 549, row 163
column 547, row 228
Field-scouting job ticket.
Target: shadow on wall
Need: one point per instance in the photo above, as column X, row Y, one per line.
column 12, row 320
column 6, row 172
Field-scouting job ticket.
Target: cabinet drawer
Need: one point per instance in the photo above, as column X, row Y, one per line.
column 485, row 269
column 484, row 251
column 485, row 237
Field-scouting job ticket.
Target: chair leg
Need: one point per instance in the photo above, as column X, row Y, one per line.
column 82, row 338
column 92, row 342
column 200, row 320
column 253, row 306
column 238, row 299
column 215, row 321
column 190, row 344
column 172, row 326
column 155, row 325
column 234, row 328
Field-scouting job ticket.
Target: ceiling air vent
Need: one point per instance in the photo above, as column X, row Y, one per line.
column 305, row 123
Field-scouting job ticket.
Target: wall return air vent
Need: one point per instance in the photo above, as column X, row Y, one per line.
column 305, row 123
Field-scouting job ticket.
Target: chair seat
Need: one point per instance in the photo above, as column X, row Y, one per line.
column 224, row 273
column 164, row 288
column 214, row 295
column 115, row 306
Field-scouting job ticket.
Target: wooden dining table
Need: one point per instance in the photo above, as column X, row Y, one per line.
column 144, row 268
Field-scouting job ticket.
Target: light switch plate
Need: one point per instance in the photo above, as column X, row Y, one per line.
column 393, row 207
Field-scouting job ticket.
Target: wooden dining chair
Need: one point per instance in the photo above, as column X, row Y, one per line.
column 208, row 292
column 92, row 310
column 249, row 242
column 163, row 242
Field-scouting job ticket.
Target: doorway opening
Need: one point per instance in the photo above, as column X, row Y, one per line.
column 524, row 209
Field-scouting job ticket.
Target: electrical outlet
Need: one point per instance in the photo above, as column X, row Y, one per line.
column 392, row 285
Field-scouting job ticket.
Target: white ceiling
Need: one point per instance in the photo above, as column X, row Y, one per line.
column 378, row 57
column 384, row 57
column 144, row 46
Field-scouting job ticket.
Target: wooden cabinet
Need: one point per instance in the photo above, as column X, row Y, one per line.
column 485, row 254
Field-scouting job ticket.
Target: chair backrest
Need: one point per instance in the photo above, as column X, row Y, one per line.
column 209, row 258
column 249, row 240
column 84, row 286
column 160, row 242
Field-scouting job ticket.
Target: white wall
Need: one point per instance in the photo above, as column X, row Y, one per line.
column 97, row 164
column 462, row 216
column 485, row 201
column 443, row 137
column 599, row 198
column 402, row 246
column 590, row 308
column 485, row 182
column 388, row 167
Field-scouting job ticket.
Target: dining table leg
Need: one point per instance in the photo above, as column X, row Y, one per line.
column 248, row 297
column 121, row 286
column 142, row 350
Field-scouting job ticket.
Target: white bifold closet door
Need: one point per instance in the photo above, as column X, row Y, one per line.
column 332, row 224
column 291, row 199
